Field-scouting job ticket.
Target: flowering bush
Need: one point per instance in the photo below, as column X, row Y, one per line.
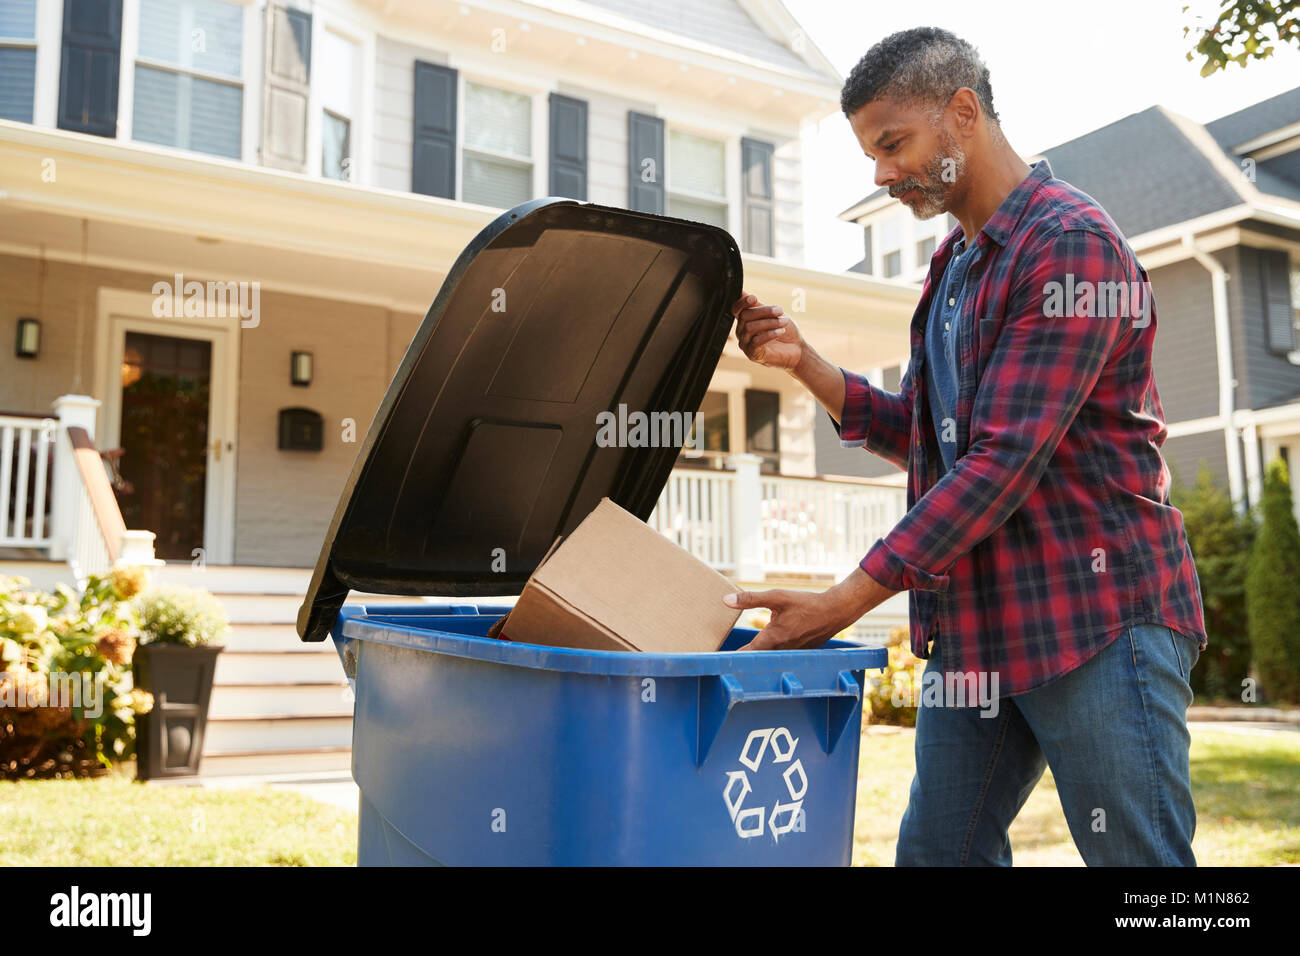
column 175, row 615
column 893, row 692
column 67, row 702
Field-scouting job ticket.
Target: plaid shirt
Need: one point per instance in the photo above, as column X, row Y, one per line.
column 1053, row 531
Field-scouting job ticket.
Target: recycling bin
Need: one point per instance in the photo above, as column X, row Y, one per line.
column 473, row 750
column 469, row 750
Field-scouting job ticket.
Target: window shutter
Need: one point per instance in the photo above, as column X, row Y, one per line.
column 568, row 154
column 287, row 88
column 645, row 163
column 1275, row 294
column 866, row 245
column 756, row 194
column 92, row 60
column 433, row 161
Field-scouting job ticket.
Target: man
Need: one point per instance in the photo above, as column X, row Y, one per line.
column 1041, row 554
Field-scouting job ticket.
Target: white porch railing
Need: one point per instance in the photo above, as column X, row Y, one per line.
column 26, row 444
column 77, row 520
column 753, row 525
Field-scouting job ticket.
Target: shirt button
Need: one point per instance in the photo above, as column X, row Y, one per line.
column 945, row 326
column 952, row 301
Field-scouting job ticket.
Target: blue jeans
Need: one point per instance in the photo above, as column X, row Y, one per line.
column 1114, row 732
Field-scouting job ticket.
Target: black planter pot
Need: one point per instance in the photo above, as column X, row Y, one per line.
column 169, row 739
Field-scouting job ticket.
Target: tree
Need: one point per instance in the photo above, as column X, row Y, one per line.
column 1220, row 540
column 1273, row 591
column 1244, row 30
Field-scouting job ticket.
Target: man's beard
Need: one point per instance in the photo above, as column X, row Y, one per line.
column 932, row 194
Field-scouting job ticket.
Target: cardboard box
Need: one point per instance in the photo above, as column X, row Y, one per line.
column 615, row 584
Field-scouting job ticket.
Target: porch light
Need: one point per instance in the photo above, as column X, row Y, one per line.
column 29, row 338
column 300, row 369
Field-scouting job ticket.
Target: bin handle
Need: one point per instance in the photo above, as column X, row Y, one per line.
column 720, row 693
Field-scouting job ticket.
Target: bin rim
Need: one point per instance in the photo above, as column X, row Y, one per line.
column 836, row 655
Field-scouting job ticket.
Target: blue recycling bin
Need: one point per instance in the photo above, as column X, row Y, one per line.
column 484, row 449
column 469, row 750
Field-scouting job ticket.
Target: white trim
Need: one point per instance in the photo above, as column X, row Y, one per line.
column 1194, row 426
column 49, row 54
column 1274, row 138
column 251, row 66
column 119, row 311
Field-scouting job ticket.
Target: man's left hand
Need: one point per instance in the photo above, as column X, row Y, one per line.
column 803, row 619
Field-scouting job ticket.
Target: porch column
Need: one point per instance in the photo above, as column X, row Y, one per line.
column 1254, row 475
column 746, row 517
column 72, row 410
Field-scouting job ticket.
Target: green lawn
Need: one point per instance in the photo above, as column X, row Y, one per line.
column 115, row 822
column 1246, row 788
column 1247, row 791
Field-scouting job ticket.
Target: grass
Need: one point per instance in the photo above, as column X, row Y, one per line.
column 1246, row 788
column 115, row 822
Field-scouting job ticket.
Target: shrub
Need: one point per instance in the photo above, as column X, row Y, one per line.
column 67, row 702
column 1220, row 540
column 175, row 615
column 1272, row 595
column 889, row 692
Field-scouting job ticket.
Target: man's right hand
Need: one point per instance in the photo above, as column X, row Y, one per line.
column 766, row 335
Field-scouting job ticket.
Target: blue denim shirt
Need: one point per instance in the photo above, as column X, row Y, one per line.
column 941, row 351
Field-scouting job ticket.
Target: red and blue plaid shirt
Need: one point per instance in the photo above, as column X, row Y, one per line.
column 1053, row 532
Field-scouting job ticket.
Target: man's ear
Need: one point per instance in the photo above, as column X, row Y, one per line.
column 964, row 107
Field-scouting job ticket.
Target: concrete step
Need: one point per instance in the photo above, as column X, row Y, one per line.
column 303, row 698
column 260, row 733
column 313, row 759
column 272, row 637
column 278, row 667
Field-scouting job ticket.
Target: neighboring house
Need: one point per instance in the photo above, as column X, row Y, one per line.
column 326, row 162
column 1213, row 213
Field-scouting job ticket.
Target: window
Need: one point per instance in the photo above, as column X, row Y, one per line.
column 891, row 247
column 696, row 178
column 763, row 427
column 498, row 155
column 188, row 89
column 338, row 96
column 711, row 448
column 17, row 59
column 924, row 250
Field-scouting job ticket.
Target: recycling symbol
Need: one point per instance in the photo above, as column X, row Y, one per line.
column 782, row 818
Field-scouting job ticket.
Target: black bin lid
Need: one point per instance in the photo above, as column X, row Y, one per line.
column 484, row 448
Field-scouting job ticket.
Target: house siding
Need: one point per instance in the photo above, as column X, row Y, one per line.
column 1185, row 453
column 1184, row 355
column 395, row 109
column 607, row 168
column 834, row 459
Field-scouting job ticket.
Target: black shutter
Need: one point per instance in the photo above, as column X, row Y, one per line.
column 1275, row 296
column 286, row 88
column 433, row 159
column 645, row 163
column 568, row 147
column 866, row 245
column 92, row 62
column 756, row 194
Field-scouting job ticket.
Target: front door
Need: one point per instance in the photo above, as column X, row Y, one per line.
column 166, row 394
